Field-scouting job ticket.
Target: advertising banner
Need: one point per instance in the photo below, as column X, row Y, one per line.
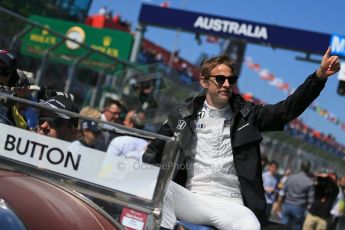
column 117, row 44
column 249, row 31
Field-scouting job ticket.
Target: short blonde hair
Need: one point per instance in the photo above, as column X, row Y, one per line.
column 208, row 64
column 90, row 112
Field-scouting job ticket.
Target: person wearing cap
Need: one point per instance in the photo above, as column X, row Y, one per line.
column 91, row 135
column 58, row 124
column 10, row 112
column 90, row 132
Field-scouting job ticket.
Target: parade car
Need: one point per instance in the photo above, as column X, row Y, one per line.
column 30, row 203
column 49, row 183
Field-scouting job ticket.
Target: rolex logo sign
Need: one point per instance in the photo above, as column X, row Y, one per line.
column 76, row 33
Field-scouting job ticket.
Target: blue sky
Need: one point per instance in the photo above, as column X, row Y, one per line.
column 313, row 15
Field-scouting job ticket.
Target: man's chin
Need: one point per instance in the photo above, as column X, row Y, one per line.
column 224, row 95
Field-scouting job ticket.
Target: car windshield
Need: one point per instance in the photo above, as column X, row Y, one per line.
column 97, row 160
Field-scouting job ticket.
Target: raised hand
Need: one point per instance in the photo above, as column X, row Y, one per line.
column 329, row 65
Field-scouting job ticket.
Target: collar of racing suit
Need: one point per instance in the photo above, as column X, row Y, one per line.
column 194, row 104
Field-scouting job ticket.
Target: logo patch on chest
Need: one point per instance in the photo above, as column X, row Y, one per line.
column 181, row 124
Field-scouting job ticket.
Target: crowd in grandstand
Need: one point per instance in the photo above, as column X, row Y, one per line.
column 324, row 141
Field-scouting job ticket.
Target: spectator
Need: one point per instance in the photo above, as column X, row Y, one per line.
column 326, row 191
column 91, row 136
column 129, row 146
column 55, row 124
column 270, row 185
column 276, row 208
column 282, row 181
column 298, row 194
column 10, row 112
column 111, row 113
column 8, row 69
column 338, row 210
column 134, row 119
column 90, row 133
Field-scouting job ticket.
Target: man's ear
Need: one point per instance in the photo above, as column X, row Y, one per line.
column 203, row 82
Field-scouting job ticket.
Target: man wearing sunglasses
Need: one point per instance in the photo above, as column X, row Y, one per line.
column 219, row 132
column 58, row 125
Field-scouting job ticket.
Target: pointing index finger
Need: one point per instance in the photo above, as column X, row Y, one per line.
column 328, row 52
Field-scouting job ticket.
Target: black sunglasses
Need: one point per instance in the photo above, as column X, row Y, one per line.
column 220, row 79
column 4, row 72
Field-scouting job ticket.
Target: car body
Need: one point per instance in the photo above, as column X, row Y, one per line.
column 42, row 205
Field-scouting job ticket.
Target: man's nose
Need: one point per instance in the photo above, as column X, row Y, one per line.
column 226, row 83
